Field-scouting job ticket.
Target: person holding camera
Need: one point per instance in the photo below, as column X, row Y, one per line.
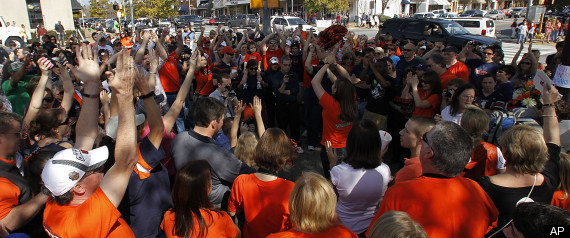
column 285, row 86
column 225, row 94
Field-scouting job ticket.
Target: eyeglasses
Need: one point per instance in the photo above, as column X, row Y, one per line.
column 48, row 99
column 487, row 53
column 252, row 68
column 525, row 62
column 408, row 49
column 424, row 138
column 273, row 42
column 230, row 54
column 425, row 82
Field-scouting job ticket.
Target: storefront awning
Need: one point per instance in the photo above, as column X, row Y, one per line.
column 404, row 2
column 439, row 2
column 183, row 8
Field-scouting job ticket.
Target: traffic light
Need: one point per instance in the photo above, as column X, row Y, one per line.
column 116, row 7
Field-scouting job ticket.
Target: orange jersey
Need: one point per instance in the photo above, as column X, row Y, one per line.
column 334, row 129
column 333, row 232
column 8, row 197
column 483, row 162
column 266, row 204
column 255, row 56
column 460, row 70
column 412, row 169
column 433, row 99
column 204, row 81
column 445, row 78
column 219, row 224
column 445, row 207
column 169, row 74
column 96, row 217
column 559, row 201
column 270, row 54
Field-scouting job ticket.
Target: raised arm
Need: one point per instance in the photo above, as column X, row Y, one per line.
column 158, row 46
column 258, row 119
column 170, row 118
column 68, row 89
column 153, row 114
column 417, row 99
column 308, row 65
column 139, row 56
column 238, row 109
column 316, row 82
column 551, row 128
column 516, row 57
column 38, row 95
column 115, row 181
column 88, row 72
column 19, row 74
column 179, row 43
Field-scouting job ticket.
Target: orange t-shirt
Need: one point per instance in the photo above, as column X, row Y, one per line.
column 270, row 54
column 334, row 129
column 445, row 78
column 266, row 204
column 445, row 207
column 412, row 169
column 433, row 99
column 483, row 162
column 8, row 197
column 460, row 70
column 169, row 74
column 559, row 202
column 255, row 56
column 335, row 231
column 96, row 217
column 219, row 224
column 204, row 81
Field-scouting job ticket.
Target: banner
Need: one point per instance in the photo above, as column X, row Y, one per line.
column 562, row 76
column 272, row 3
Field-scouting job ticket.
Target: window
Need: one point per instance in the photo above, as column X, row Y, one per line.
column 415, row 27
column 469, row 23
column 372, row 5
column 490, row 24
column 34, row 13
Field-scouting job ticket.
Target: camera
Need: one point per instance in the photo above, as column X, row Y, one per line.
column 449, row 93
column 230, row 91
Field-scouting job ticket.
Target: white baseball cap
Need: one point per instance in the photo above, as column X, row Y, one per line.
column 113, row 124
column 274, row 60
column 68, row 166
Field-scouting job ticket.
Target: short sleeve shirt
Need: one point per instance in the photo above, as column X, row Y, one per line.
column 221, row 224
column 412, row 169
column 8, row 197
column 334, row 129
column 96, row 217
column 265, row 203
column 433, row 99
column 169, row 74
column 339, row 231
column 18, row 95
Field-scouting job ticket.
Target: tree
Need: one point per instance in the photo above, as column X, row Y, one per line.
column 155, row 8
column 384, row 5
column 99, row 8
column 326, row 6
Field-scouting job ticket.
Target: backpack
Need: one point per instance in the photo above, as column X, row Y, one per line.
column 502, row 121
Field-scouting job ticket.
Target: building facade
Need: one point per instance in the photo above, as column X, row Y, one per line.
column 34, row 12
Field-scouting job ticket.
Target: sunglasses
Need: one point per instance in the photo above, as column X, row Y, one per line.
column 230, row 54
column 48, row 99
column 252, row 68
column 487, row 53
column 273, row 42
column 424, row 138
column 408, row 50
column 525, row 62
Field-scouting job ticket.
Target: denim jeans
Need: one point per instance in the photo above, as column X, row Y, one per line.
column 554, row 35
column 521, row 39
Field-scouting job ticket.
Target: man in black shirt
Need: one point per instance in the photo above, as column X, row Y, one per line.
column 285, row 85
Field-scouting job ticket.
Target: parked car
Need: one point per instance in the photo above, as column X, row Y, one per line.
column 243, row 20
column 448, row 15
column 220, row 20
column 496, row 14
column 438, row 12
column 507, row 12
column 435, row 30
column 423, row 15
column 518, row 12
column 472, row 13
column 477, row 26
column 188, row 20
column 291, row 23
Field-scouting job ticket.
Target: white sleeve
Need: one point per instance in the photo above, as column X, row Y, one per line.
column 500, row 159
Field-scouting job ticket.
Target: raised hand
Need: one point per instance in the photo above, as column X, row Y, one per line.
column 256, row 105
column 153, row 59
column 413, row 80
column 45, row 65
column 146, row 35
column 105, row 97
column 124, row 78
column 153, row 37
column 141, row 83
column 87, row 69
column 239, row 107
column 194, row 60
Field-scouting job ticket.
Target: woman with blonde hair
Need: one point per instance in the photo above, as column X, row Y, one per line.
column 312, row 205
column 486, row 159
column 396, row 224
column 532, row 164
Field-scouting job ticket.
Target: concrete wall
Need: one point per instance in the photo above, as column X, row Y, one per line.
column 12, row 10
column 57, row 10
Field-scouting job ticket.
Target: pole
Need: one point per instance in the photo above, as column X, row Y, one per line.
column 291, row 6
column 132, row 17
column 266, row 18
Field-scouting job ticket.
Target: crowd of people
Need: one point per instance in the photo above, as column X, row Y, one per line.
column 183, row 134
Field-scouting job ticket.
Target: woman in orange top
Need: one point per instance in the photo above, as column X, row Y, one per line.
column 339, row 110
column 262, row 196
column 192, row 214
column 426, row 99
column 312, row 205
column 560, row 197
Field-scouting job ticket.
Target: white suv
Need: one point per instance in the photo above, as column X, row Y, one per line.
column 477, row 25
column 291, row 23
column 9, row 34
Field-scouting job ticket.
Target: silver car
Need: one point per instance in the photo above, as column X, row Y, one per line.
column 496, row 14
